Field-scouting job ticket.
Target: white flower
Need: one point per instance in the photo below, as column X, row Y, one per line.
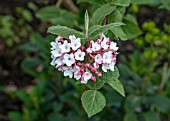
column 111, row 66
column 56, row 52
column 98, row 59
column 69, row 59
column 54, row 45
column 96, row 65
column 59, row 61
column 68, row 71
column 58, row 39
column 86, row 77
column 89, row 50
column 96, row 46
column 77, row 76
column 107, row 57
column 72, row 38
column 113, row 46
column 105, row 67
column 65, row 47
column 53, row 62
column 76, row 69
column 79, row 55
column 75, row 44
column 104, row 43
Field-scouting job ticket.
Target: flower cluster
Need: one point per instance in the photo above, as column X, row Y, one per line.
column 73, row 59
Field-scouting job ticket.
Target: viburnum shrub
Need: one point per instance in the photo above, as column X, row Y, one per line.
column 88, row 57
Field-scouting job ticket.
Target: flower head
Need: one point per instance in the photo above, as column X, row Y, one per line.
column 83, row 62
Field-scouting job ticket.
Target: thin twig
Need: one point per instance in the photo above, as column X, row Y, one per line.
column 165, row 76
column 58, row 3
column 69, row 4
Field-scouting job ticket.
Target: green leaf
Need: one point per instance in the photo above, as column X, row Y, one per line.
column 119, row 33
column 56, row 16
column 29, row 47
column 110, row 75
column 29, row 65
column 86, row 23
column 151, row 116
column 101, row 13
column 64, row 31
column 24, row 97
column 162, row 103
column 130, row 117
column 120, row 2
column 131, row 103
column 117, row 85
column 93, row 102
column 117, row 16
column 146, row 2
column 15, row 116
column 98, row 2
column 166, row 4
column 94, row 34
column 40, row 42
column 56, row 117
column 131, row 28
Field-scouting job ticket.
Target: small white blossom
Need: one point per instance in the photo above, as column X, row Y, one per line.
column 105, row 67
column 107, row 57
column 53, row 62
column 111, row 66
column 75, row 44
column 96, row 46
column 69, row 59
column 86, row 77
column 98, row 59
column 72, row 38
column 65, row 47
column 89, row 50
column 113, row 46
column 79, row 55
column 54, row 45
column 59, row 61
column 56, row 52
column 68, row 71
column 104, row 43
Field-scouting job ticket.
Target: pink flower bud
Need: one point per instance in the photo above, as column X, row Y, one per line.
column 78, row 64
column 79, row 72
column 87, row 65
column 94, row 69
column 93, row 78
column 108, row 42
column 98, row 41
column 91, row 42
column 99, row 51
column 99, row 74
column 82, row 48
column 82, row 70
column 61, row 39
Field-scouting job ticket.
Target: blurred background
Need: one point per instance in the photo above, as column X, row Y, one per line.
column 32, row 90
